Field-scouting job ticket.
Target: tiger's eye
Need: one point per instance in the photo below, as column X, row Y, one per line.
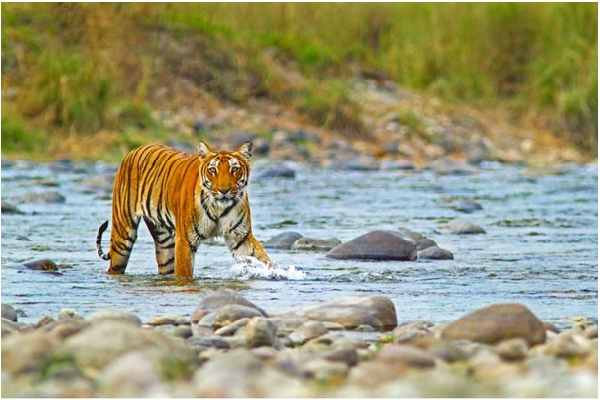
column 212, row 170
column 234, row 169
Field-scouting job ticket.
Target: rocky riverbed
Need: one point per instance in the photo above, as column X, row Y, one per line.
column 348, row 347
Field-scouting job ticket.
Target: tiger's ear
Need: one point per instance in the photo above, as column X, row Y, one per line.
column 203, row 149
column 246, row 150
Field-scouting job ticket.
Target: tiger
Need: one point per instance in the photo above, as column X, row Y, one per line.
column 183, row 199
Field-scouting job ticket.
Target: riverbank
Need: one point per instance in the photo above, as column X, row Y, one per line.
column 352, row 347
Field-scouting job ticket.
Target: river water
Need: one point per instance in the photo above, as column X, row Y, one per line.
column 540, row 248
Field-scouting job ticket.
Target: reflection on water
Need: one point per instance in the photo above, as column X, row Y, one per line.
column 540, row 248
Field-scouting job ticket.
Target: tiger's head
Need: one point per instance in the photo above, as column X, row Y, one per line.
column 225, row 174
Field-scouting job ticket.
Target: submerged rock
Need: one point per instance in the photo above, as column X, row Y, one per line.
column 461, row 227
column 9, row 312
column 276, row 171
column 465, row 205
column 284, row 240
column 8, row 208
column 376, row 245
column 42, row 265
column 307, row 244
column 497, row 322
column 352, row 312
column 435, row 253
column 43, row 197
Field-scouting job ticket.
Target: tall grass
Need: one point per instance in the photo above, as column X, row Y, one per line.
column 82, row 60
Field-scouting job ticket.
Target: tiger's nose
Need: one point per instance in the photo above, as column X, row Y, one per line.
column 224, row 191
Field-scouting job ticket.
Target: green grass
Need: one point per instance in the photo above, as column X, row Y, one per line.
column 79, row 67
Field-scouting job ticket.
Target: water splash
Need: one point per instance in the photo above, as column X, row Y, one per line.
column 246, row 268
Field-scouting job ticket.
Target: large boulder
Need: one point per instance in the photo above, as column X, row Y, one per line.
column 376, row 245
column 496, row 323
column 105, row 340
column 218, row 299
column 351, row 312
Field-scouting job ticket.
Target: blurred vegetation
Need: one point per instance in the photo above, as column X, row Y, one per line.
column 83, row 68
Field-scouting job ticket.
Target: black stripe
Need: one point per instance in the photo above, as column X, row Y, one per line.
column 202, row 202
column 237, row 223
column 237, row 246
column 169, row 261
column 169, row 246
column 226, row 211
column 200, row 236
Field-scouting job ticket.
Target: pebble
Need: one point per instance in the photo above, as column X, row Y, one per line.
column 512, row 349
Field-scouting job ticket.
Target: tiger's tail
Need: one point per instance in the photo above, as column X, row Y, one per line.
column 99, row 240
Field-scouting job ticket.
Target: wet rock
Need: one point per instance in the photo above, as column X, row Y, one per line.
column 465, row 205
column 8, row 208
column 497, row 322
column 512, row 349
column 446, row 166
column 376, row 311
column 276, row 171
column 8, row 312
column 284, row 240
column 260, row 332
column 309, row 330
column 410, row 235
column 168, row 320
column 460, row 227
column 423, row 244
column 114, row 315
column 221, row 298
column 43, row 197
column 307, row 244
column 408, row 355
column 99, row 183
column 42, row 265
column 376, row 245
column 435, row 253
column 397, row 165
column 98, row 345
column 232, row 328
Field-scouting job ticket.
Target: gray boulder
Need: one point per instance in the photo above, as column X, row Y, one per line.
column 351, row 312
column 461, row 227
column 496, row 323
column 376, row 245
column 307, row 244
column 8, row 312
column 435, row 253
column 284, row 240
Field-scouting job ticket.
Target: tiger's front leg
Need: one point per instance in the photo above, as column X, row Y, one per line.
column 247, row 245
column 184, row 257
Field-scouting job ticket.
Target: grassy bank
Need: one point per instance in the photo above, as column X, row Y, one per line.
column 72, row 69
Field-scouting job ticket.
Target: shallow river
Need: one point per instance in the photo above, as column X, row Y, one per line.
column 540, row 248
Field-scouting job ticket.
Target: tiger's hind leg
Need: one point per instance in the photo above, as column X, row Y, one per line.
column 122, row 238
column 164, row 244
